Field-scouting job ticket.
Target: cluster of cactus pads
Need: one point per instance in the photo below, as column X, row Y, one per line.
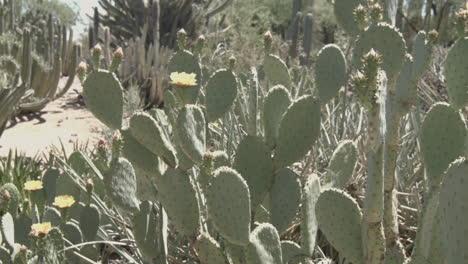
column 167, row 170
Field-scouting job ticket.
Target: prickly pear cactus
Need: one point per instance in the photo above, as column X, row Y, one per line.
column 309, row 221
column 276, row 71
column 264, row 246
column 330, row 72
column 121, row 185
column 178, row 196
column 340, row 219
column 100, row 88
column 221, row 91
column 452, row 203
column 298, row 131
column 253, row 161
column 228, row 201
column 190, row 132
column 442, row 140
column 341, row 166
column 276, row 103
column 456, row 67
column 285, row 197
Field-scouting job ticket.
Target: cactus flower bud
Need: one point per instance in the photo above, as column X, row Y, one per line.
column 97, row 51
column 267, row 40
column 376, row 13
column 6, row 195
column 360, row 16
column 232, row 62
column 181, row 38
column 116, row 60
column 200, row 45
column 89, row 185
column 81, row 71
column 23, row 248
column 433, row 35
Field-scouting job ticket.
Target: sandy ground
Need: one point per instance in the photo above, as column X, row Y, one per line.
column 65, row 119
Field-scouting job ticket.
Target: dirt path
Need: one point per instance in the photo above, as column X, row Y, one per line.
column 65, row 119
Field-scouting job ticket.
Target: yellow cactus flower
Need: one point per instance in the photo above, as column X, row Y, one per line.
column 33, row 185
column 183, row 79
column 64, row 201
column 41, row 228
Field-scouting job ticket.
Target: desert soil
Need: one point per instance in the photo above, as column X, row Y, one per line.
column 66, row 120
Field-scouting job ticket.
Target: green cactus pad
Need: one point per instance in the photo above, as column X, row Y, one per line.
column 341, row 166
column 253, row 162
column 147, row 132
column 422, row 53
column 453, row 197
column 456, row 67
column 209, row 251
column 276, row 71
column 184, row 61
column 52, row 215
column 146, row 230
column 221, row 91
column 264, row 246
column 344, row 13
column 178, row 196
column 442, row 140
column 89, row 222
column 190, row 132
column 121, row 187
column 339, row 219
column 13, row 203
column 291, row 252
column 298, row 131
column 386, row 41
column 228, row 201
column 8, row 229
column 330, row 72
column 406, row 89
column 185, row 163
column 49, row 181
column 100, row 88
column 138, row 155
column 285, row 197
column 22, row 228
column 72, row 232
column 276, row 103
column 309, row 224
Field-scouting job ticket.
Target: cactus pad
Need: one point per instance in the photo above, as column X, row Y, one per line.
column 285, row 197
column 221, row 91
column 275, row 105
column 184, row 61
column 179, row 199
column 453, row 197
column 341, row 166
column 190, row 132
column 442, row 140
column 89, row 222
column 209, row 251
column 456, row 67
column 298, row 131
column 146, row 230
column 120, row 183
column 330, row 72
column 291, row 252
column 386, row 41
column 264, row 246
column 228, row 201
column 276, row 71
column 339, row 219
column 253, row 162
column 149, row 133
column 100, row 88
column 309, row 224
